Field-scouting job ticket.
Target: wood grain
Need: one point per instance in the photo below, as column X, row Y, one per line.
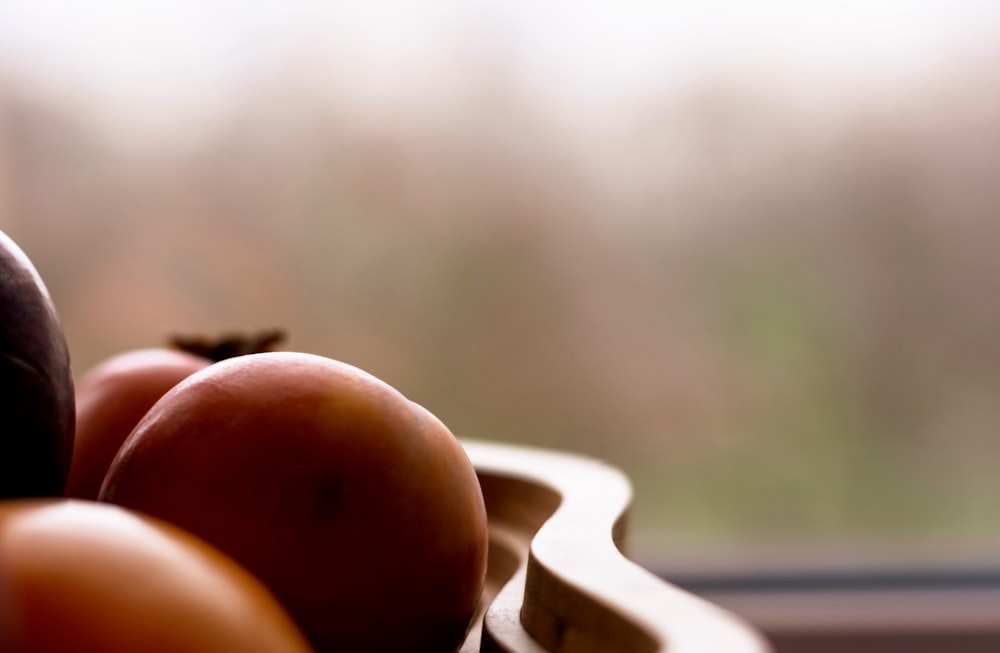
column 559, row 579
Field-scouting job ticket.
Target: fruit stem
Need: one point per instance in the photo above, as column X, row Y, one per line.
column 228, row 345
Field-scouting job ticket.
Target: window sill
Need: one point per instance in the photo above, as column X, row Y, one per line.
column 867, row 607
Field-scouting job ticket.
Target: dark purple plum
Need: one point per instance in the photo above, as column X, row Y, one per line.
column 37, row 409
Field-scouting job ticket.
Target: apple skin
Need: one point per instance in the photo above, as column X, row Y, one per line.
column 357, row 507
column 111, row 398
column 36, row 383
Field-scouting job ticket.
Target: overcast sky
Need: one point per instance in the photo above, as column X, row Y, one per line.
column 184, row 55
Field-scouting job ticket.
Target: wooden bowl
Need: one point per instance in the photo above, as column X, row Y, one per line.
column 558, row 578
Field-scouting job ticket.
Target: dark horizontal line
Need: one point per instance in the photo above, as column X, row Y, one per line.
column 825, row 581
